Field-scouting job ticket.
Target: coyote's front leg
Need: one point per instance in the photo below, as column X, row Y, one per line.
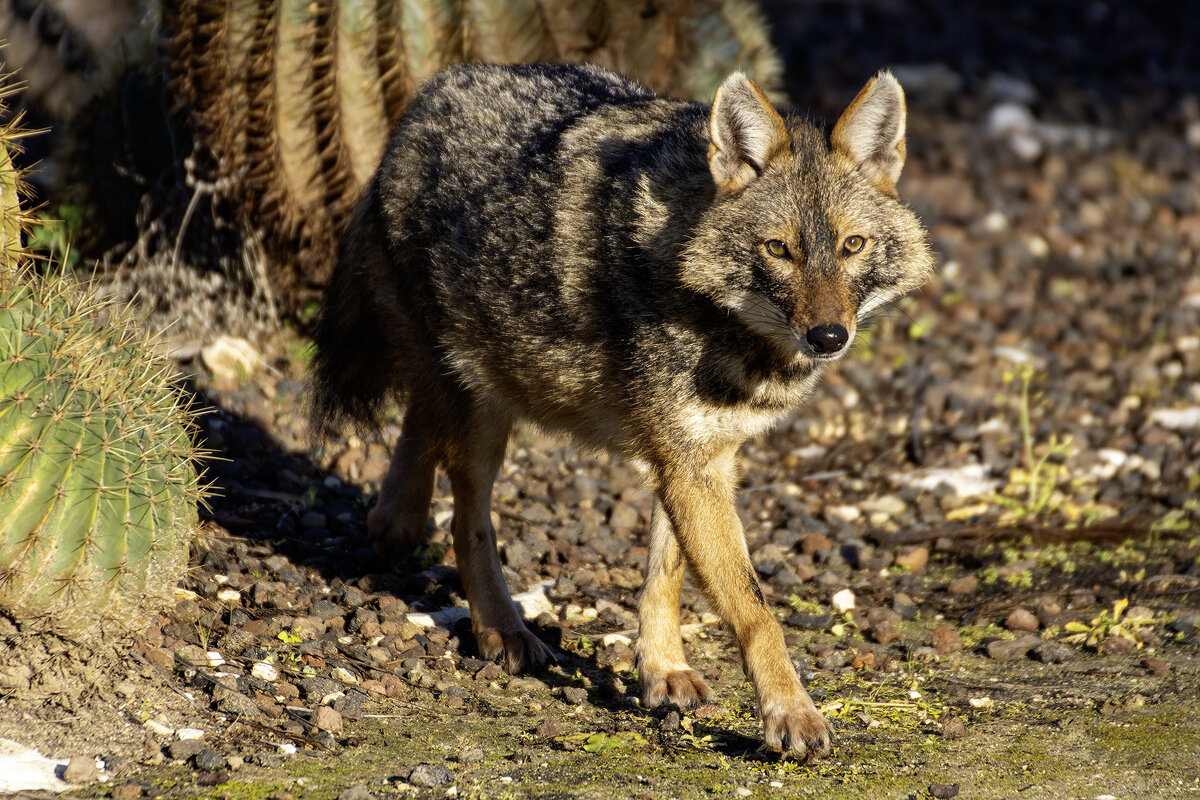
column 699, row 499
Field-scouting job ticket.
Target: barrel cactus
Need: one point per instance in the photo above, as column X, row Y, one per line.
column 98, row 486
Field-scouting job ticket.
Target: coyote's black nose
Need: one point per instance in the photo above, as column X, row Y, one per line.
column 825, row 340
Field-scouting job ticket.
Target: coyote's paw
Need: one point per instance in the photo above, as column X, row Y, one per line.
column 797, row 729
column 516, row 650
column 391, row 537
column 682, row 687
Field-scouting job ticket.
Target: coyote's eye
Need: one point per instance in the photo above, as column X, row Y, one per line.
column 853, row 244
column 777, row 248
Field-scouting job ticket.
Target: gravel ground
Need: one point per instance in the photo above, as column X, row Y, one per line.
column 1005, row 470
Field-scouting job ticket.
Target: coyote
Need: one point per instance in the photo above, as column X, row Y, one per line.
column 654, row 277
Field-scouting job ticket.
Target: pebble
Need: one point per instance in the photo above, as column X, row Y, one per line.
column 815, row 543
column 1010, row 650
column 80, row 769
column 128, row 791
column 885, row 632
column 967, row 584
column 326, row 719
column 356, row 792
column 914, row 559
column 1054, row 653
column 842, row 601
column 945, row 640
column 428, row 776
column 230, row 358
column 1021, row 620
column 575, row 695
column 548, row 729
column 209, row 760
column 183, row 749
column 954, row 728
column 1158, row 667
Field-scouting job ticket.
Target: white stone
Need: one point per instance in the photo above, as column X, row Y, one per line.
column 25, row 770
column 154, row 726
column 970, row 480
column 265, row 671
column 888, row 504
column 1177, row 419
column 189, row 733
column 842, row 601
column 228, row 595
column 343, row 675
column 843, row 513
column 230, row 358
column 534, row 603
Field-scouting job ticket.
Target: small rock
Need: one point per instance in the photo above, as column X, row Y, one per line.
column 231, row 702
column 428, row 775
column 326, row 719
column 344, row 675
column 885, row 632
column 810, row 622
column 671, row 721
column 1157, row 666
column 846, row 513
column 834, row 661
column 814, row 543
column 914, row 559
column 842, row 601
column 230, row 358
column 209, row 760
column 1011, row 650
column 80, row 769
column 189, row 733
column 356, row 792
column 562, row 589
column 904, row 606
column 943, row 791
column 183, row 749
column 1053, row 653
column 945, row 640
column 964, row 585
column 623, row 516
column 128, row 791
column 474, row 755
column 1021, row 620
column 548, row 729
column 575, row 694
column 1117, row 646
column 954, row 728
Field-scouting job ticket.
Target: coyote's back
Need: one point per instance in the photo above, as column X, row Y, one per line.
column 655, row 277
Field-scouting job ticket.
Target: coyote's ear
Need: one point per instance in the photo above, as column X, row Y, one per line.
column 746, row 133
column 870, row 131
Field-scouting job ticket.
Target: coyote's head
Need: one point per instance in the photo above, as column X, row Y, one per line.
column 806, row 235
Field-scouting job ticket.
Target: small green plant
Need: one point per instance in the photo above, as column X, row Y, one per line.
column 1110, row 623
column 1033, row 488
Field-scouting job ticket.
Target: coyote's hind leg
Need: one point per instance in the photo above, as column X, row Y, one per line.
column 398, row 521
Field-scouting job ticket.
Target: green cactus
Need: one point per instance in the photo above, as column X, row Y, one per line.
column 98, row 488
